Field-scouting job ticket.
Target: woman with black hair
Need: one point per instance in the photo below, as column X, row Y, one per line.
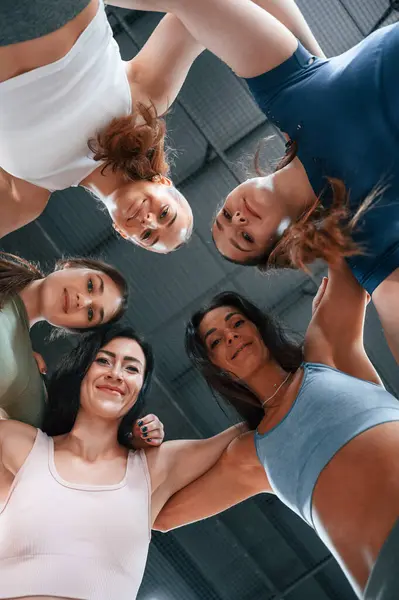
column 327, row 432
column 79, row 295
column 78, row 503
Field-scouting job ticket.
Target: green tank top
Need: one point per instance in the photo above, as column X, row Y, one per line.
column 22, row 390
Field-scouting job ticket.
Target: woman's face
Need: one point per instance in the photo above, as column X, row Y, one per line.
column 246, row 225
column 233, row 343
column 114, row 380
column 153, row 215
column 79, row 298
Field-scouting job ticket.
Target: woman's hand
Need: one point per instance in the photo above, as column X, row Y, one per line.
column 320, row 295
column 148, row 431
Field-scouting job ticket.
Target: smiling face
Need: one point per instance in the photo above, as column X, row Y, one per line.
column 250, row 221
column 79, row 298
column 114, row 380
column 233, row 343
column 153, row 215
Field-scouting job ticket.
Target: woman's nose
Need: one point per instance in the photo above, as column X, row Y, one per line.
column 239, row 219
column 231, row 336
column 149, row 220
column 83, row 301
column 115, row 373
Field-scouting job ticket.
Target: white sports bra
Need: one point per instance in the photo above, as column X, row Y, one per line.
column 48, row 115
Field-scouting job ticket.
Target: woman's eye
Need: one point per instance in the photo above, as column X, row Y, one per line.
column 164, row 212
column 214, row 344
column 146, row 234
column 90, row 314
column 238, row 323
column 247, row 237
column 132, row 369
column 226, row 214
column 102, row 361
column 90, row 286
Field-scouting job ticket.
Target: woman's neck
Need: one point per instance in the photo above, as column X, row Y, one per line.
column 93, row 438
column 30, row 296
column 294, row 189
column 265, row 381
column 103, row 184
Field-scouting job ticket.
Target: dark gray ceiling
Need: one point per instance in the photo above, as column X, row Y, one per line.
column 259, row 550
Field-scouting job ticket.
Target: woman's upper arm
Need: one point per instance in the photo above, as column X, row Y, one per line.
column 175, row 464
column 335, row 334
column 16, row 441
column 233, row 479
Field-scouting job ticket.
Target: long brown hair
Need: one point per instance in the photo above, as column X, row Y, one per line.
column 16, row 273
column 134, row 144
column 321, row 232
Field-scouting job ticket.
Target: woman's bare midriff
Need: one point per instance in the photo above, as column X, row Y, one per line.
column 32, row 54
column 356, row 500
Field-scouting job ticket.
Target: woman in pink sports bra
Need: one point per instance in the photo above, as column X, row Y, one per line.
column 77, row 503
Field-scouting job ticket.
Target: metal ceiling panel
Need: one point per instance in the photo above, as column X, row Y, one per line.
column 77, row 222
column 366, row 14
column 162, row 285
column 332, row 25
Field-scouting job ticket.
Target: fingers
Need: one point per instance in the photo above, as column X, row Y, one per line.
column 319, row 295
column 150, row 429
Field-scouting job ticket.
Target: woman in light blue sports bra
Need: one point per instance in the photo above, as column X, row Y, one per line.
column 316, row 410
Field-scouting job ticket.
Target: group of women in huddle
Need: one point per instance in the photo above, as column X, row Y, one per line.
column 84, row 475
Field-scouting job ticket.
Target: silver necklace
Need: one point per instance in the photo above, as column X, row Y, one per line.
column 277, row 390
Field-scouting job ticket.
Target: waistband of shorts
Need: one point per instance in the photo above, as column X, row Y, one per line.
column 301, row 59
column 387, row 264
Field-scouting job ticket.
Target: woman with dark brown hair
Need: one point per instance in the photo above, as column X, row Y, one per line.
column 335, row 194
column 79, row 295
column 73, row 113
column 326, row 436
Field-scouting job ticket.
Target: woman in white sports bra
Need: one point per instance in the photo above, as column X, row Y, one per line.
column 63, row 85
column 64, row 90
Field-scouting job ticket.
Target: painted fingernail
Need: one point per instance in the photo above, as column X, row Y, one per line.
column 145, row 434
column 144, row 429
column 140, row 423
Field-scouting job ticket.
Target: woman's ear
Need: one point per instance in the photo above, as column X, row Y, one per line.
column 162, row 179
column 121, row 233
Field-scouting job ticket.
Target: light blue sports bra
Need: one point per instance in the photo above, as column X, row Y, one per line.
column 331, row 408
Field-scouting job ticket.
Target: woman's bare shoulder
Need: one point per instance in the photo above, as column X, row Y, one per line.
column 16, row 441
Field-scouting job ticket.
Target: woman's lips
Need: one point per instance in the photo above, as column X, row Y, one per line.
column 111, row 389
column 251, row 210
column 240, row 349
column 66, row 302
